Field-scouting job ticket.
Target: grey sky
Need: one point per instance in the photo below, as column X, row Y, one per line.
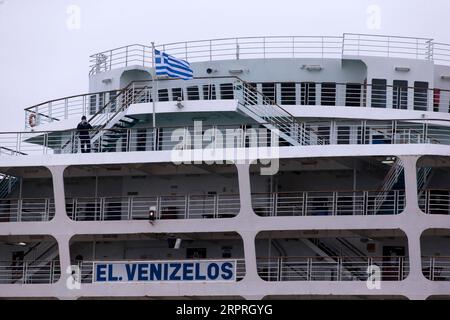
column 44, row 52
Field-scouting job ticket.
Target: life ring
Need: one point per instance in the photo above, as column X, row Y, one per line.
column 32, row 120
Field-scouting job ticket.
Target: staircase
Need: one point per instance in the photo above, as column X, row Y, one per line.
column 108, row 142
column 108, row 123
column 272, row 116
column 394, row 178
column 7, row 184
column 334, row 248
column 39, row 258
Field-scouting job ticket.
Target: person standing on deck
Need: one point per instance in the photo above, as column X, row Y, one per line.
column 84, row 135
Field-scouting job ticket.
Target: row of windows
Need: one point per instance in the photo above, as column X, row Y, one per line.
column 306, row 93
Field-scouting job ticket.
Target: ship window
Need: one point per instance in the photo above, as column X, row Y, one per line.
column 193, row 93
column 353, row 95
column 177, row 93
column 226, row 91
column 93, row 104
column 112, row 99
column 163, row 95
column 379, row 93
column 400, row 94
column 209, row 92
column 141, row 139
column 420, row 95
column 269, row 90
column 343, row 135
column 250, row 96
column 329, row 94
column 288, row 94
column 436, row 99
column 101, row 102
column 308, row 94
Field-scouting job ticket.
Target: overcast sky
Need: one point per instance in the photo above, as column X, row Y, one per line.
column 45, row 44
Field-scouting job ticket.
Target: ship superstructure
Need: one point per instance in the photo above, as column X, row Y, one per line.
column 289, row 167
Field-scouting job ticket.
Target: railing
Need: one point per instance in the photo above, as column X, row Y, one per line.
column 26, row 210
column 29, row 272
column 435, row 201
column 259, row 96
column 336, row 269
column 275, row 47
column 365, row 132
column 167, row 207
column 436, row 268
column 387, row 46
column 332, row 203
column 221, row 49
column 331, row 269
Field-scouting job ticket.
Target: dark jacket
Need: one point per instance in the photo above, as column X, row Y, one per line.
column 83, row 130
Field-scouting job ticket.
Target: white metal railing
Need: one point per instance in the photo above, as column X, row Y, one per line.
column 103, row 105
column 26, row 210
column 331, row 269
column 269, row 269
column 167, row 207
column 29, row 272
column 334, row 132
column 436, row 268
column 332, row 203
column 276, row 47
column 435, row 201
column 387, row 46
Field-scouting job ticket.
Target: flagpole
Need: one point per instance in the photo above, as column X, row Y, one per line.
column 154, row 84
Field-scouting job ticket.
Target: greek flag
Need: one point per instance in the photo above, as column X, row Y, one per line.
column 167, row 65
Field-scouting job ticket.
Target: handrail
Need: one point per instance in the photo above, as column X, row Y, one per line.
column 273, row 46
column 224, row 77
column 51, row 141
column 65, row 107
column 322, row 191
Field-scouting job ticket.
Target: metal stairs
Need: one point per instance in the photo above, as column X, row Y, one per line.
column 108, row 142
column 272, row 116
column 105, row 122
column 334, row 248
column 390, row 181
column 7, row 184
column 39, row 258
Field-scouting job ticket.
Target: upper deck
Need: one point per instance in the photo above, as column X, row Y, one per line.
column 341, row 47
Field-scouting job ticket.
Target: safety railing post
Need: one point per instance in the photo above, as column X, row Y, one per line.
column 19, row 210
column 186, row 207
column 24, row 272
column 130, row 208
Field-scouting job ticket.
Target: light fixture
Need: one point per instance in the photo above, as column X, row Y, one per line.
column 21, row 244
column 152, row 214
column 312, row 67
column 445, row 78
column 389, row 160
column 403, row 69
column 107, row 80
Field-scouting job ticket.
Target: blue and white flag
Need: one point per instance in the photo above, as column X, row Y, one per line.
column 167, row 65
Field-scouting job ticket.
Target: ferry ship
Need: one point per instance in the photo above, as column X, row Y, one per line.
column 289, row 167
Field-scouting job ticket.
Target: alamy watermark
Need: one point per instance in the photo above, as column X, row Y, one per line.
column 215, row 146
column 73, row 21
column 374, row 277
column 73, row 281
column 373, row 21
